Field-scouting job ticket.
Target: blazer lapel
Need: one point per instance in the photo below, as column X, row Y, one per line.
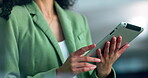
column 67, row 28
column 39, row 19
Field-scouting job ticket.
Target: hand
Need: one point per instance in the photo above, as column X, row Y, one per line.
column 76, row 63
column 111, row 52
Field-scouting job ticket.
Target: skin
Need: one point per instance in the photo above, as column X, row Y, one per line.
column 76, row 63
column 112, row 51
column 47, row 8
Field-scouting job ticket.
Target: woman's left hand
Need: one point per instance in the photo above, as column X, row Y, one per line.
column 112, row 51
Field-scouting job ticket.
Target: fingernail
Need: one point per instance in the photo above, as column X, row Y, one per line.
column 99, row 49
column 113, row 37
column 93, row 67
column 93, row 45
column 108, row 42
column 98, row 60
column 128, row 45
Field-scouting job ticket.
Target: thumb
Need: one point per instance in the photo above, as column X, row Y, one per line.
column 123, row 48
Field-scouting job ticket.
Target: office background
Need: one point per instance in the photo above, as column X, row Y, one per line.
column 104, row 15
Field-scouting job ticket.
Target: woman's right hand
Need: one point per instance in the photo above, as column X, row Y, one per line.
column 76, row 63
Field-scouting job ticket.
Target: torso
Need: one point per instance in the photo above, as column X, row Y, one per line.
column 37, row 51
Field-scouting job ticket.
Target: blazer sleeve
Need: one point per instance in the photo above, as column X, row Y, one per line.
column 89, row 41
column 9, row 51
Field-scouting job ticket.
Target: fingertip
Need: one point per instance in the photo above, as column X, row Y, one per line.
column 119, row 36
column 128, row 45
column 93, row 67
column 98, row 49
column 94, row 45
column 98, row 60
column 114, row 37
column 108, row 42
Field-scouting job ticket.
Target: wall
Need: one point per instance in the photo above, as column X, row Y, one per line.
column 104, row 15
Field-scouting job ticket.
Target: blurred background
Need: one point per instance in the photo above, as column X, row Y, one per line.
column 104, row 15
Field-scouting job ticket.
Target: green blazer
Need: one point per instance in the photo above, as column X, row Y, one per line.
column 28, row 48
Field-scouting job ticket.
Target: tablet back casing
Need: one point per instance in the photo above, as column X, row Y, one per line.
column 127, row 31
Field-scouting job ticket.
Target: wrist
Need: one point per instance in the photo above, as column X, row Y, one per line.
column 104, row 73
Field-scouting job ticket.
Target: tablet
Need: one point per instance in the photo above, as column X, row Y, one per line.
column 126, row 30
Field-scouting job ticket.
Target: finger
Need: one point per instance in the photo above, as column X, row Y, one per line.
column 80, row 65
column 99, row 53
column 84, row 69
column 88, row 59
column 118, row 45
column 84, row 49
column 123, row 49
column 112, row 46
column 106, row 49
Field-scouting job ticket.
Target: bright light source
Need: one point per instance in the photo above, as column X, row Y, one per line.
column 141, row 21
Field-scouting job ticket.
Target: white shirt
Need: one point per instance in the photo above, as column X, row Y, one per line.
column 64, row 51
